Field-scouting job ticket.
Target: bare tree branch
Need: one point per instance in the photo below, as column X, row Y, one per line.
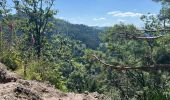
column 160, row 30
column 135, row 37
column 150, row 37
column 146, row 68
column 130, row 36
column 103, row 62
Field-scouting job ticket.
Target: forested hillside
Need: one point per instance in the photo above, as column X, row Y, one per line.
column 122, row 62
column 88, row 35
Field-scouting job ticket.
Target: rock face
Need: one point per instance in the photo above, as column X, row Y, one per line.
column 15, row 88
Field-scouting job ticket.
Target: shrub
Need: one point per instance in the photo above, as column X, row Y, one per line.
column 11, row 60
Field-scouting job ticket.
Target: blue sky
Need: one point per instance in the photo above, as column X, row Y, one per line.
column 105, row 12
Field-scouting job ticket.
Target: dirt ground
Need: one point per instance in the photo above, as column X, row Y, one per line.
column 14, row 88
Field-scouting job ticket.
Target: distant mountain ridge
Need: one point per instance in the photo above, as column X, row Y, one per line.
column 88, row 35
column 101, row 28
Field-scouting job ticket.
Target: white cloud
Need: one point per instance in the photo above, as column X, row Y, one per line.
column 98, row 19
column 152, row 14
column 60, row 17
column 124, row 14
column 121, row 20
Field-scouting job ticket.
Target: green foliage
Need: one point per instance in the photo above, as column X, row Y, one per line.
column 136, row 53
column 44, row 71
column 12, row 60
column 151, row 22
column 88, row 35
column 68, row 62
column 38, row 13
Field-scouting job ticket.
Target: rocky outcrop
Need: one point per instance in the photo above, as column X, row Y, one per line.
column 14, row 88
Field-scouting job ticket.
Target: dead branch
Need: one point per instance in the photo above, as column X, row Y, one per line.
column 130, row 36
column 146, row 68
column 159, row 30
column 103, row 62
column 150, row 37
